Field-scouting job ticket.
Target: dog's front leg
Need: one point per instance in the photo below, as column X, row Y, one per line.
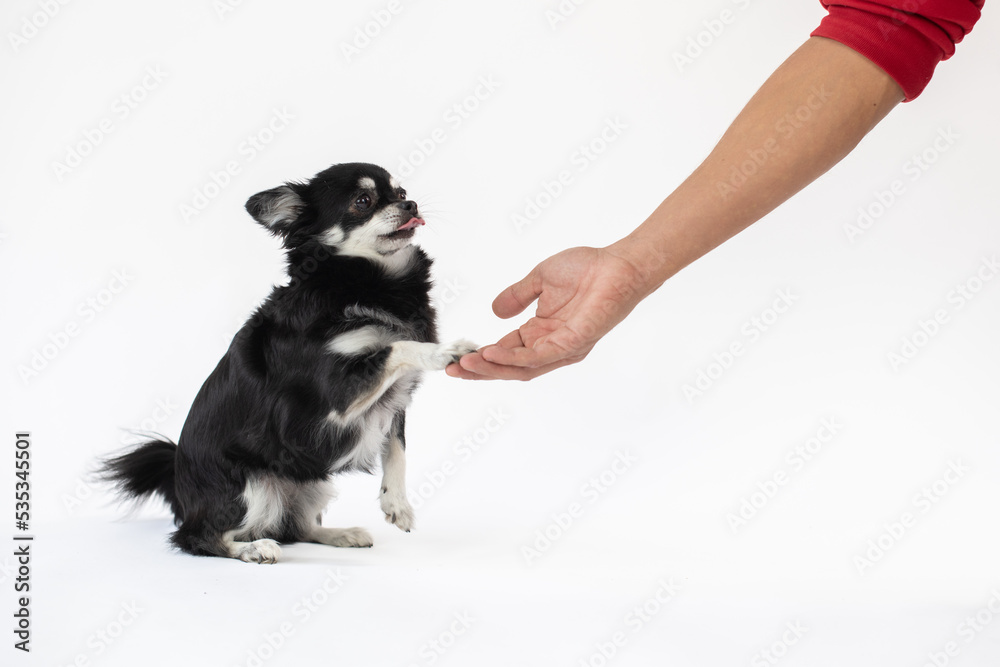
column 401, row 358
column 393, row 497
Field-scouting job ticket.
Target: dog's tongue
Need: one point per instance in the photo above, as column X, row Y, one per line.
column 411, row 224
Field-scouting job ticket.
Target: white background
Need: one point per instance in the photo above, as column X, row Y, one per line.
column 189, row 285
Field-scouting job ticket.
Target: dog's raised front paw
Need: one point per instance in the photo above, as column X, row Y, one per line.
column 397, row 509
column 450, row 353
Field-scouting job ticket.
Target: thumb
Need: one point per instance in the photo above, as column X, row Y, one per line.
column 518, row 296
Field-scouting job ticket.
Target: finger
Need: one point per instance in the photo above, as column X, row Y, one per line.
column 518, row 296
column 513, row 339
column 536, row 329
column 456, row 371
column 459, row 370
column 474, row 367
column 524, row 357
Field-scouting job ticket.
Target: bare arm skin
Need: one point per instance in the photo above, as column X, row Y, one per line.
column 583, row 293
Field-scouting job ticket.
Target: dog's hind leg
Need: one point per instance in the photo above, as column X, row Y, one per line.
column 393, row 500
column 309, row 504
column 340, row 537
column 263, row 551
column 198, row 541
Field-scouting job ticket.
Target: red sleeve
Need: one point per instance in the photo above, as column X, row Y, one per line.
column 906, row 38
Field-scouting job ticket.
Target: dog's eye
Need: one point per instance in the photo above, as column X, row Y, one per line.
column 401, row 193
column 363, row 202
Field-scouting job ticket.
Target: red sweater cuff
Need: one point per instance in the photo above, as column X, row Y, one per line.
column 907, row 46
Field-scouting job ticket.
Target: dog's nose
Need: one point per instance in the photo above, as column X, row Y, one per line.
column 409, row 206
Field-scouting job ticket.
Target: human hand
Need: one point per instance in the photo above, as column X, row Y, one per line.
column 582, row 294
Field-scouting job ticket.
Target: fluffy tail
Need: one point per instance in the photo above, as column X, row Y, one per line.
column 143, row 471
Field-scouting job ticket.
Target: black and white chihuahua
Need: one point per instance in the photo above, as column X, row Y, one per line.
column 315, row 383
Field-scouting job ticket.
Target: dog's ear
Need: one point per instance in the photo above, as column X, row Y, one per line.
column 276, row 209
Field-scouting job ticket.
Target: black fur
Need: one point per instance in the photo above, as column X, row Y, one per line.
column 145, row 470
column 262, row 413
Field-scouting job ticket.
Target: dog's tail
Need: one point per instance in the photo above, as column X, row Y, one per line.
column 143, row 471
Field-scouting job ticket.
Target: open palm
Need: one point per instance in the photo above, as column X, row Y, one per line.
column 582, row 294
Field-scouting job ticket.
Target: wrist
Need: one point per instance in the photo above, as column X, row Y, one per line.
column 651, row 263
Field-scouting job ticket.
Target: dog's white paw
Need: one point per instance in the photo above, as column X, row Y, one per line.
column 260, row 551
column 343, row 537
column 397, row 510
column 450, row 353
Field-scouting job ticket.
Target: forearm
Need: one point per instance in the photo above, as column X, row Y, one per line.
column 806, row 117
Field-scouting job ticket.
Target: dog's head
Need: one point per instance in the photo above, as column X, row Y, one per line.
column 351, row 209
